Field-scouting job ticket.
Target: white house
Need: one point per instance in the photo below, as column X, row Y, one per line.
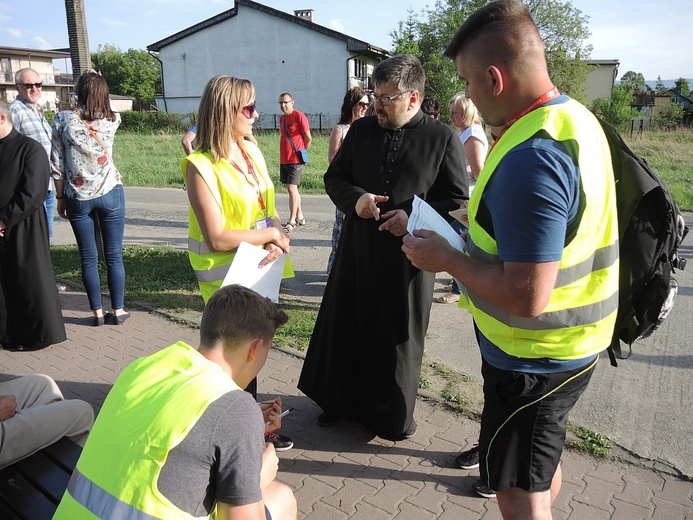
column 601, row 79
column 279, row 52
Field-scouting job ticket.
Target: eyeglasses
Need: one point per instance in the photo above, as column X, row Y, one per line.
column 363, row 104
column 29, row 85
column 387, row 100
column 286, row 102
column 249, row 111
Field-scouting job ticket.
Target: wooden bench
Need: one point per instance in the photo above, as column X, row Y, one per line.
column 31, row 489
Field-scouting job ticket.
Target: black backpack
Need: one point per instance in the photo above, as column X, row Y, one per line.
column 650, row 229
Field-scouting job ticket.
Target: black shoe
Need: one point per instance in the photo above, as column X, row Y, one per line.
column 326, row 420
column 483, row 490
column 469, row 459
column 281, row 442
column 408, row 434
column 117, row 319
column 100, row 320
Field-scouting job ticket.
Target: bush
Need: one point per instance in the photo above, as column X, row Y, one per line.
column 669, row 117
column 616, row 109
column 156, row 122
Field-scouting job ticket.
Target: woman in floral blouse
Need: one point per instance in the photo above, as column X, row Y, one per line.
column 89, row 190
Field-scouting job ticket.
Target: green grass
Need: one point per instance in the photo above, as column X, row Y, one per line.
column 161, row 278
column 671, row 155
column 589, row 441
column 154, row 159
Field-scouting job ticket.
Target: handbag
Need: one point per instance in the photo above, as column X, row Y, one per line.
column 301, row 154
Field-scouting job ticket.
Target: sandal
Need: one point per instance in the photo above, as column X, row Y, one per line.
column 289, row 227
column 301, row 221
column 448, row 298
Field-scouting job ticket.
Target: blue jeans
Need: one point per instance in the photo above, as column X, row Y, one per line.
column 86, row 217
column 49, row 204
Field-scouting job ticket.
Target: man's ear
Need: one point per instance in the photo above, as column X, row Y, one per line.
column 255, row 348
column 496, row 79
column 414, row 98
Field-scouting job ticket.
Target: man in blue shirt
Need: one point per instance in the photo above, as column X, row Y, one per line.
column 28, row 119
column 541, row 269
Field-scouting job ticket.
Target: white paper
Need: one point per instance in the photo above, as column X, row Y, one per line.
column 423, row 216
column 244, row 271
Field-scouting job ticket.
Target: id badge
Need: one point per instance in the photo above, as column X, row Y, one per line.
column 263, row 223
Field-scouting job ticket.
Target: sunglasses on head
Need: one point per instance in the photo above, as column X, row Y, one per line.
column 249, row 110
column 29, row 85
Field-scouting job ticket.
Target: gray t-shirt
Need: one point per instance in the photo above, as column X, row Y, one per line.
column 219, row 460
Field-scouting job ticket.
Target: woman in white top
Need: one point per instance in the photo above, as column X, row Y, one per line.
column 354, row 107
column 466, row 120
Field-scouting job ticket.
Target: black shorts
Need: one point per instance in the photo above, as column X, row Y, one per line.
column 523, row 425
column 290, row 173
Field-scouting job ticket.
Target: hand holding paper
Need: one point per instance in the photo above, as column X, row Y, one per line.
column 245, row 271
column 423, row 216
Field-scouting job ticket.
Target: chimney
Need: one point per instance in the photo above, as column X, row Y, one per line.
column 306, row 14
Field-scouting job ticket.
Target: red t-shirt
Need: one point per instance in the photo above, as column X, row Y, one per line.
column 296, row 125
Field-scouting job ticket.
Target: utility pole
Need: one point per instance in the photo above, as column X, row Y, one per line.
column 79, row 38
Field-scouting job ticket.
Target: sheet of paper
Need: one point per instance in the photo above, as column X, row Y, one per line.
column 423, row 216
column 244, row 271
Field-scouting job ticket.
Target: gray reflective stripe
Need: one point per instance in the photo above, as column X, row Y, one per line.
column 195, row 246
column 601, row 259
column 574, row 317
column 211, row 275
column 478, row 253
column 100, row 502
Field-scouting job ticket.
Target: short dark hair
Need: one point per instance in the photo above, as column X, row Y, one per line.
column 351, row 98
column 235, row 315
column 503, row 17
column 403, row 71
column 431, row 107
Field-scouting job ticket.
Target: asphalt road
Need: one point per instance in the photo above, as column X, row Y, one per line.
column 644, row 405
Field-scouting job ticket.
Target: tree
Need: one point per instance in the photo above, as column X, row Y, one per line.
column 681, row 86
column 131, row 73
column 615, row 109
column 563, row 28
column 660, row 89
column 633, row 81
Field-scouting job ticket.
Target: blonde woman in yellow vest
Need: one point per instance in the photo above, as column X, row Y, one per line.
column 231, row 195
column 541, row 265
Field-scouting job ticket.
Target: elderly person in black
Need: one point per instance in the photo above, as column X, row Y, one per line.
column 365, row 354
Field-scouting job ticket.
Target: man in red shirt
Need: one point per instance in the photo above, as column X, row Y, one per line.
column 292, row 125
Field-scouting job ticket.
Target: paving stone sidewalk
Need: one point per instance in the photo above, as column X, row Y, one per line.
column 343, row 471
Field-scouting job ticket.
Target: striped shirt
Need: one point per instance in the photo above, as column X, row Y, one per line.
column 32, row 123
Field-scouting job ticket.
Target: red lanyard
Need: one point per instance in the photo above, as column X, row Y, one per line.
column 251, row 170
column 544, row 98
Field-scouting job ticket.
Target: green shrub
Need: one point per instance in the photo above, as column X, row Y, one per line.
column 156, row 122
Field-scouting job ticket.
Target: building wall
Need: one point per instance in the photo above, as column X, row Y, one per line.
column 43, row 67
column 600, row 81
column 275, row 54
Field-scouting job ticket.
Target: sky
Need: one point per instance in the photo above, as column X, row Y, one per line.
column 645, row 36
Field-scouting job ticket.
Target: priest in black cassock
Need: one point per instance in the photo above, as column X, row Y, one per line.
column 30, row 314
column 364, row 357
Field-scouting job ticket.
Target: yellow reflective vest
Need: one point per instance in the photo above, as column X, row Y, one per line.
column 238, row 201
column 153, row 405
column 579, row 319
